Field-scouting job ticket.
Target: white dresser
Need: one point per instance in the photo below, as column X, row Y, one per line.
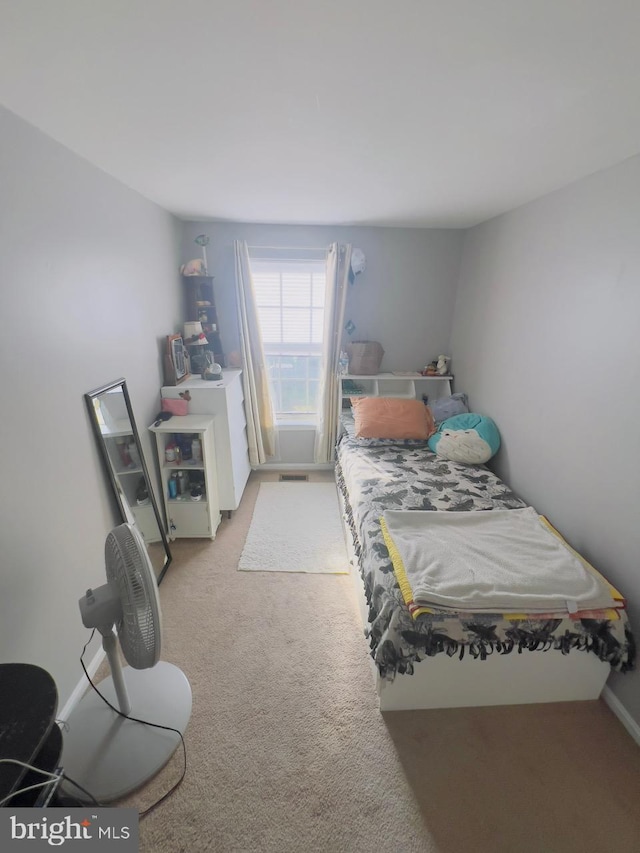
column 224, row 400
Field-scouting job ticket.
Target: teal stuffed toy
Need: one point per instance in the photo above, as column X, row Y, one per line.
column 468, row 437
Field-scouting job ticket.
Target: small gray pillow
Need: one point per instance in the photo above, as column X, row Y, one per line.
column 447, row 407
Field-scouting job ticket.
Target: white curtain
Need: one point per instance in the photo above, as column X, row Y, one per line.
column 261, row 433
column 329, row 403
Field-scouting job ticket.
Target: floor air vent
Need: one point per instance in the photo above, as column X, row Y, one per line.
column 294, row 477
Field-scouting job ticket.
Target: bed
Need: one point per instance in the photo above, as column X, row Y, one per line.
column 445, row 659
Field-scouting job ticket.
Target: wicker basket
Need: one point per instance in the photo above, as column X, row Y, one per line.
column 364, row 357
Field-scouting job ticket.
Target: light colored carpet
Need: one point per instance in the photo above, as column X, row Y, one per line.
column 296, row 527
column 288, row 752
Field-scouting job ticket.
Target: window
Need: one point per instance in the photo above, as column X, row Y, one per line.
column 290, row 304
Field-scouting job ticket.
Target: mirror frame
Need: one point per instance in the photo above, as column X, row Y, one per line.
column 89, row 397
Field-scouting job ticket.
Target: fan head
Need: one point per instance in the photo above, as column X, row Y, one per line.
column 129, row 570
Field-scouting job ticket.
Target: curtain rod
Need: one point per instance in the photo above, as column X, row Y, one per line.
column 294, row 248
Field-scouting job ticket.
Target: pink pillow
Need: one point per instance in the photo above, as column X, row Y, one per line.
column 391, row 417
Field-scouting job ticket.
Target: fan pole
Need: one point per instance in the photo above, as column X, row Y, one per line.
column 110, row 646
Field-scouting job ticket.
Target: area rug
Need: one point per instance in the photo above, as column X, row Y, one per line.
column 296, row 527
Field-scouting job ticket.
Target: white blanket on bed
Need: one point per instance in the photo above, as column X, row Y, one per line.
column 498, row 561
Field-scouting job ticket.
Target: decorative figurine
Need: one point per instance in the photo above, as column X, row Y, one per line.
column 442, row 365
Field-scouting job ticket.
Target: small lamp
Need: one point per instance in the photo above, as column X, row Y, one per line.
column 192, row 330
column 203, row 241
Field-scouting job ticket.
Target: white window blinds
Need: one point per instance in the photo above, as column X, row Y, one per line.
column 290, row 303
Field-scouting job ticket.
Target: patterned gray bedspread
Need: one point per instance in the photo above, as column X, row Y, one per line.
column 373, row 477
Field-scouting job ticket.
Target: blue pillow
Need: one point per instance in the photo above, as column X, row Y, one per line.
column 446, row 407
column 468, row 437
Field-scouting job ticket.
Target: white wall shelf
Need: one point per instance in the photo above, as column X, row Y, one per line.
column 410, row 386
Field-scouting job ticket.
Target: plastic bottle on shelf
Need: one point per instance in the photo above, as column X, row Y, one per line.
column 196, row 449
column 123, row 449
column 133, row 453
column 173, row 486
column 184, row 445
column 183, row 483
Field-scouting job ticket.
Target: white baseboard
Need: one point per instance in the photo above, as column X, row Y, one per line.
column 296, row 466
column 621, row 713
column 81, row 686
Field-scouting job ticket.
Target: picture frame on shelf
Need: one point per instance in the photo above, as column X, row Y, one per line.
column 176, row 361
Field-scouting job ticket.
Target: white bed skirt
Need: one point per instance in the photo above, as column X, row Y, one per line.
column 513, row 679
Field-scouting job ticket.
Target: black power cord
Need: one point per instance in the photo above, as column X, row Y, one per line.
column 80, row 788
column 171, row 790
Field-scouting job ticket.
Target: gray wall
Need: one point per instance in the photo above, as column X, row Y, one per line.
column 404, row 299
column 90, row 285
column 545, row 340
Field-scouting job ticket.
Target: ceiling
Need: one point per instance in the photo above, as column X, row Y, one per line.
column 417, row 113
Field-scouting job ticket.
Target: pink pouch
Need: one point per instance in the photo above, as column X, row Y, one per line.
column 176, row 407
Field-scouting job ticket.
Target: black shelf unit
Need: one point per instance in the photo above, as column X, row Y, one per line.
column 200, row 306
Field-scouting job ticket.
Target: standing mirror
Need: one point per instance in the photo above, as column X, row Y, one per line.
column 115, row 429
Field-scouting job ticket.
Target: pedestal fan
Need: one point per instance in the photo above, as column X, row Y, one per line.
column 104, row 752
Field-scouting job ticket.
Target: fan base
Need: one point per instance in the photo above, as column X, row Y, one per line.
column 111, row 756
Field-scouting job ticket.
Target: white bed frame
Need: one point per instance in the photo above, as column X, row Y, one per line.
column 513, row 679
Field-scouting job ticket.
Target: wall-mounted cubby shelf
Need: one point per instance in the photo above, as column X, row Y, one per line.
column 410, row 386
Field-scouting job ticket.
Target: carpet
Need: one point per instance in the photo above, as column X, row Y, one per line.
column 288, row 752
column 296, row 527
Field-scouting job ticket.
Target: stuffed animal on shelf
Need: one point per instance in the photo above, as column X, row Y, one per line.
column 194, row 267
column 442, row 365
